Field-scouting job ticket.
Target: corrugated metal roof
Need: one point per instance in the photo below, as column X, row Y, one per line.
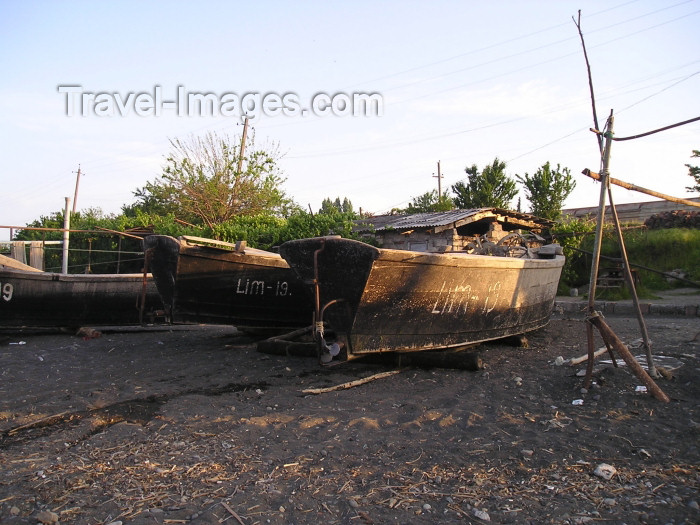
column 438, row 219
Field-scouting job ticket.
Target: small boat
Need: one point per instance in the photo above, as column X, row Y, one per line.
column 208, row 281
column 37, row 299
column 383, row 300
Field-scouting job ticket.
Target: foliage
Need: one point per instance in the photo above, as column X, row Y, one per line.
column 327, row 205
column 259, row 231
column 267, row 232
column 694, row 172
column 94, row 250
column 429, row 202
column 659, row 250
column 547, row 190
column 201, row 182
column 663, row 250
column 570, row 234
column 490, row 188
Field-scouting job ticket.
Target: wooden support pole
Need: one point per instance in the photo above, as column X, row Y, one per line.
column 632, row 287
column 614, row 342
column 598, row 241
column 66, row 237
column 628, row 186
column 242, row 151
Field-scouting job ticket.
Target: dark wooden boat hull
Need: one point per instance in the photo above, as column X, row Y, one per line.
column 249, row 289
column 41, row 299
column 379, row 300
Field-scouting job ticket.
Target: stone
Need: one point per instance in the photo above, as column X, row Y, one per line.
column 605, row 471
column 481, row 514
column 47, row 517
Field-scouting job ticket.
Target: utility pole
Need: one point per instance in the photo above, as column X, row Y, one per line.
column 240, row 155
column 439, row 178
column 66, row 237
column 77, row 183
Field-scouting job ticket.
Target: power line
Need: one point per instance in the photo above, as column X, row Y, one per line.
column 639, row 136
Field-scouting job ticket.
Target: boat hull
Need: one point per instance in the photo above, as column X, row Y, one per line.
column 379, row 300
column 249, row 289
column 42, row 299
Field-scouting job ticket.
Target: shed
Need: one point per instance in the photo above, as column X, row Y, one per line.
column 446, row 231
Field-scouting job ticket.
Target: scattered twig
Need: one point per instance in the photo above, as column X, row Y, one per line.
column 578, row 360
column 350, row 384
column 232, row 512
column 47, row 420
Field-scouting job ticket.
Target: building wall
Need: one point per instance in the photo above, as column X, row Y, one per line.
column 424, row 240
column 637, row 212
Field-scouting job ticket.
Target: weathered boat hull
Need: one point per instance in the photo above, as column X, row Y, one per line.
column 379, row 300
column 42, row 299
column 247, row 288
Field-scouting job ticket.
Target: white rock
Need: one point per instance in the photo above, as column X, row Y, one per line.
column 481, row 514
column 605, row 471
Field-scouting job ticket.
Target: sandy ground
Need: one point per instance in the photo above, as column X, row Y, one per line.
column 195, row 426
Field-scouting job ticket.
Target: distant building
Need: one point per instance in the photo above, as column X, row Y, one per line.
column 636, row 212
column 446, row 231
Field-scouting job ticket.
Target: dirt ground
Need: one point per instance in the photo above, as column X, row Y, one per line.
column 170, row 426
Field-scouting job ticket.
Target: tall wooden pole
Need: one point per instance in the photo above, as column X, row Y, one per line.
column 66, row 236
column 439, row 178
column 632, row 288
column 596, row 250
column 242, row 151
column 75, row 196
column 604, row 184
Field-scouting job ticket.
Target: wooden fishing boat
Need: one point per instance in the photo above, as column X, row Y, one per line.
column 370, row 300
column 208, row 281
column 32, row 298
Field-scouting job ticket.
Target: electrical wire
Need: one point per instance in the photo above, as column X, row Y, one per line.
column 639, row 136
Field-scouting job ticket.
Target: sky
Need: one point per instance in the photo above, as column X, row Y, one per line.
column 95, row 86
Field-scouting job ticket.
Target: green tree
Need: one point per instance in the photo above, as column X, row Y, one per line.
column 490, row 188
column 429, row 202
column 547, row 190
column 201, row 182
column 328, row 205
column 93, row 245
column 694, row 171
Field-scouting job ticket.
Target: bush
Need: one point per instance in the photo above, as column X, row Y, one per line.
column 659, row 250
column 571, row 234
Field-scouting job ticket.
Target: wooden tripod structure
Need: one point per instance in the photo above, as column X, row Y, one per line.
column 612, row 342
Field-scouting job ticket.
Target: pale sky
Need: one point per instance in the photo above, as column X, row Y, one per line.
column 460, row 83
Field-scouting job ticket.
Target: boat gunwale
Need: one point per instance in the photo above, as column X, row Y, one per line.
column 463, row 259
column 221, row 246
column 73, row 277
column 241, row 258
column 466, row 260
